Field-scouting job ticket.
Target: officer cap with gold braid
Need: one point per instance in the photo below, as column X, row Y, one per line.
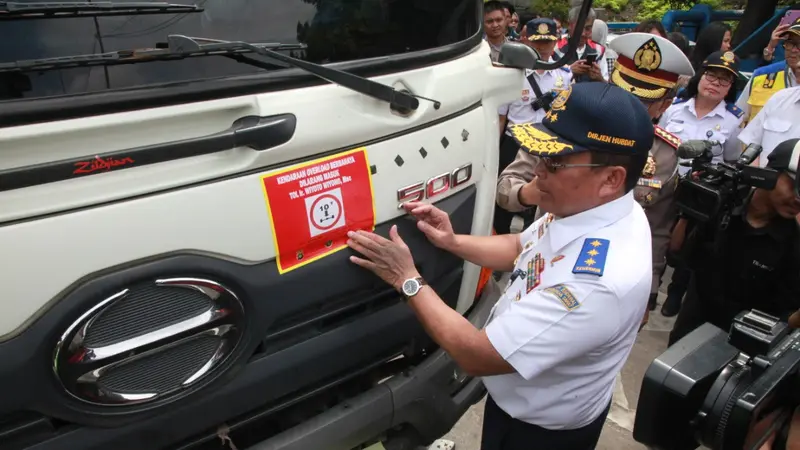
column 648, row 66
column 591, row 116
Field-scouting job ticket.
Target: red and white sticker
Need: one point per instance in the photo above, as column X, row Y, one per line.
column 313, row 205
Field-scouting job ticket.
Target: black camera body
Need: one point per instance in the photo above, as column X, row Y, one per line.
column 712, row 190
column 711, row 387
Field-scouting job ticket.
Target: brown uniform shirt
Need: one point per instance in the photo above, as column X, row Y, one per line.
column 655, row 193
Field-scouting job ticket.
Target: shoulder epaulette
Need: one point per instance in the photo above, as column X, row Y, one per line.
column 566, row 69
column 679, row 100
column 666, row 136
column 735, row 110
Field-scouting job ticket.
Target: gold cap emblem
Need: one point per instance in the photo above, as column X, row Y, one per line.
column 648, row 57
column 728, row 57
column 543, row 28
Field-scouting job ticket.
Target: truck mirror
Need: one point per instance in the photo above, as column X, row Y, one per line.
column 517, row 55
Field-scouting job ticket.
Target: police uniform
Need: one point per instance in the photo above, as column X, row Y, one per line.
column 721, row 125
column 569, row 316
column 522, row 110
column 649, row 67
column 766, row 81
column 777, row 122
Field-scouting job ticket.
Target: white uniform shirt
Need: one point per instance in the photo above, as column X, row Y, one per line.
column 521, row 110
column 568, row 327
column 721, row 125
column 775, row 123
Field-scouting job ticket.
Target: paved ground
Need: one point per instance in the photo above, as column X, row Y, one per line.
column 652, row 341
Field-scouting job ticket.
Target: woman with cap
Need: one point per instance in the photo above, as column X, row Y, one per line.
column 705, row 111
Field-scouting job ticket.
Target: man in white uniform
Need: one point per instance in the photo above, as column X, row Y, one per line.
column 541, row 35
column 581, row 276
column 775, row 123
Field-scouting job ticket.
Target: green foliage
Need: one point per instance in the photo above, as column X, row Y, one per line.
column 550, row 8
column 613, row 5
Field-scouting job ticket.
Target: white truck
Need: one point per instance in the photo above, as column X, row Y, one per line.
column 175, row 184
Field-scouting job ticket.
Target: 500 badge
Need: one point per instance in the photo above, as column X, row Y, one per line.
column 434, row 186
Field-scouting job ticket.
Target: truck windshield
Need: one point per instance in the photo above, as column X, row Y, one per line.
column 329, row 30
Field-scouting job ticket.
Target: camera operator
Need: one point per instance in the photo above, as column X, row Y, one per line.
column 754, row 262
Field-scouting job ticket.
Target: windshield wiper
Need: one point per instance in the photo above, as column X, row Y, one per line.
column 402, row 101
column 180, row 47
column 48, row 10
column 124, row 57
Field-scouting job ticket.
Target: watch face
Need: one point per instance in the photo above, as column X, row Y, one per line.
column 410, row 287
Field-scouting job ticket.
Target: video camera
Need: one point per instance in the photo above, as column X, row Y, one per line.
column 712, row 190
column 711, row 388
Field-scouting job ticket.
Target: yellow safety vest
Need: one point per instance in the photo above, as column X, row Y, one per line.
column 763, row 87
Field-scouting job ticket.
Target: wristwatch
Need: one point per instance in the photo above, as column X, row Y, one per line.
column 412, row 286
column 768, row 53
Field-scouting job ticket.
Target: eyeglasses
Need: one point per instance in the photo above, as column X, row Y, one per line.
column 789, row 46
column 713, row 78
column 553, row 166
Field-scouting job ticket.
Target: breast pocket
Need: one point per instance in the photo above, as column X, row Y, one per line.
column 675, row 128
column 776, row 126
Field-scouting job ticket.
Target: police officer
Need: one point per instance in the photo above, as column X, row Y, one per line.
column 648, row 66
column 768, row 80
column 568, row 318
column 542, row 35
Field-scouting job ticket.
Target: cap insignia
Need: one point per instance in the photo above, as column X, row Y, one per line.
column 728, row 57
column 648, row 57
column 543, row 28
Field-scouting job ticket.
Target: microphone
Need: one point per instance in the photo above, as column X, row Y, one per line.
column 693, row 148
column 749, row 154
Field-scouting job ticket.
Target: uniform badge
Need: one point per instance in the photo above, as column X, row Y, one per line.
column 718, row 127
column 648, row 199
column 559, row 82
column 543, row 28
column 650, row 167
column 556, row 259
column 654, row 183
column 709, row 133
column 592, row 259
column 516, row 260
column 565, row 296
column 728, row 57
column 528, row 245
column 648, row 57
column 535, row 269
column 518, row 296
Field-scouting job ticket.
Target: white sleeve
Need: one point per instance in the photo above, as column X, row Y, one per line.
column 733, row 148
column 665, row 118
column 753, row 133
column 553, row 325
column 503, row 109
column 741, row 102
column 604, row 67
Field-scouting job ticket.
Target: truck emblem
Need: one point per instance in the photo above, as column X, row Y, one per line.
column 434, row 186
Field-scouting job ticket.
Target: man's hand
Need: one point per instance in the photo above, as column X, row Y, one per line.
column 580, row 67
column 388, row 259
column 529, row 194
column 434, row 222
column 776, row 35
column 595, row 73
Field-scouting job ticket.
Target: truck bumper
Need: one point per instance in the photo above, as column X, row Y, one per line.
column 418, row 406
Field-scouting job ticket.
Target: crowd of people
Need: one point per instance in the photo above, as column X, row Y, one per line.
column 587, row 219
